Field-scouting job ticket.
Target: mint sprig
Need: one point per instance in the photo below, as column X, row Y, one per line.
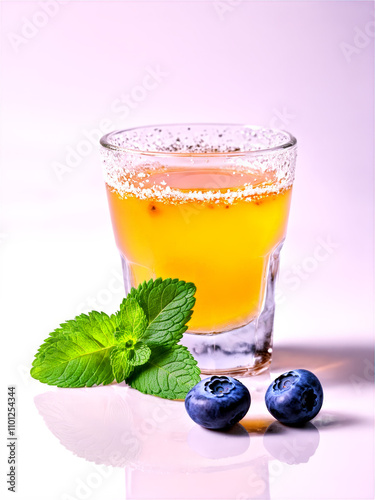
column 138, row 344
column 131, row 319
column 168, row 373
column 167, row 305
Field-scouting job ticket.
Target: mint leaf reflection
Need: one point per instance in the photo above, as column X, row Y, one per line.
column 118, row 426
column 95, row 424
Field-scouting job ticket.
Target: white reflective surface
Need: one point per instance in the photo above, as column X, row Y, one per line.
column 116, row 443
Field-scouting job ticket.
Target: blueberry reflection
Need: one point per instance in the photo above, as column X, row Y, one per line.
column 219, row 444
column 291, row 445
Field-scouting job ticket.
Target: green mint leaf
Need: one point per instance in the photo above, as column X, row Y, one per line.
column 77, row 353
column 169, row 373
column 99, row 325
column 140, row 355
column 119, row 359
column 74, row 360
column 167, row 305
column 130, row 319
column 127, row 354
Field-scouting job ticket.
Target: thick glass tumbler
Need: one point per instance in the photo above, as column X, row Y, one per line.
column 209, row 204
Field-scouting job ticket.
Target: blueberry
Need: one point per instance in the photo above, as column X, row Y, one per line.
column 218, row 402
column 295, row 397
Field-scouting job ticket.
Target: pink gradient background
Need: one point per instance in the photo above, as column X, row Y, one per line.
column 253, row 63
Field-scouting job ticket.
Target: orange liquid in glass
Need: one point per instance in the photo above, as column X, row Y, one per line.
column 222, row 247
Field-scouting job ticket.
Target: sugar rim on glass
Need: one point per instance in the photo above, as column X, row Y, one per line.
column 105, row 141
column 134, row 161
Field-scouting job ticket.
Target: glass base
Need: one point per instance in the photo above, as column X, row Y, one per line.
column 234, row 353
column 243, row 351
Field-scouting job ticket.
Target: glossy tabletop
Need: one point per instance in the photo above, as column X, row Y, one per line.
column 113, row 442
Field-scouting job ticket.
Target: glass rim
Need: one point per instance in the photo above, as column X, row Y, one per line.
column 288, row 144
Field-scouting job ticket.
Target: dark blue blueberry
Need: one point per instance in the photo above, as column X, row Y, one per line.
column 295, row 397
column 218, row 402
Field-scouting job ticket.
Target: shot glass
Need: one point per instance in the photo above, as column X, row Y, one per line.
column 208, row 204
